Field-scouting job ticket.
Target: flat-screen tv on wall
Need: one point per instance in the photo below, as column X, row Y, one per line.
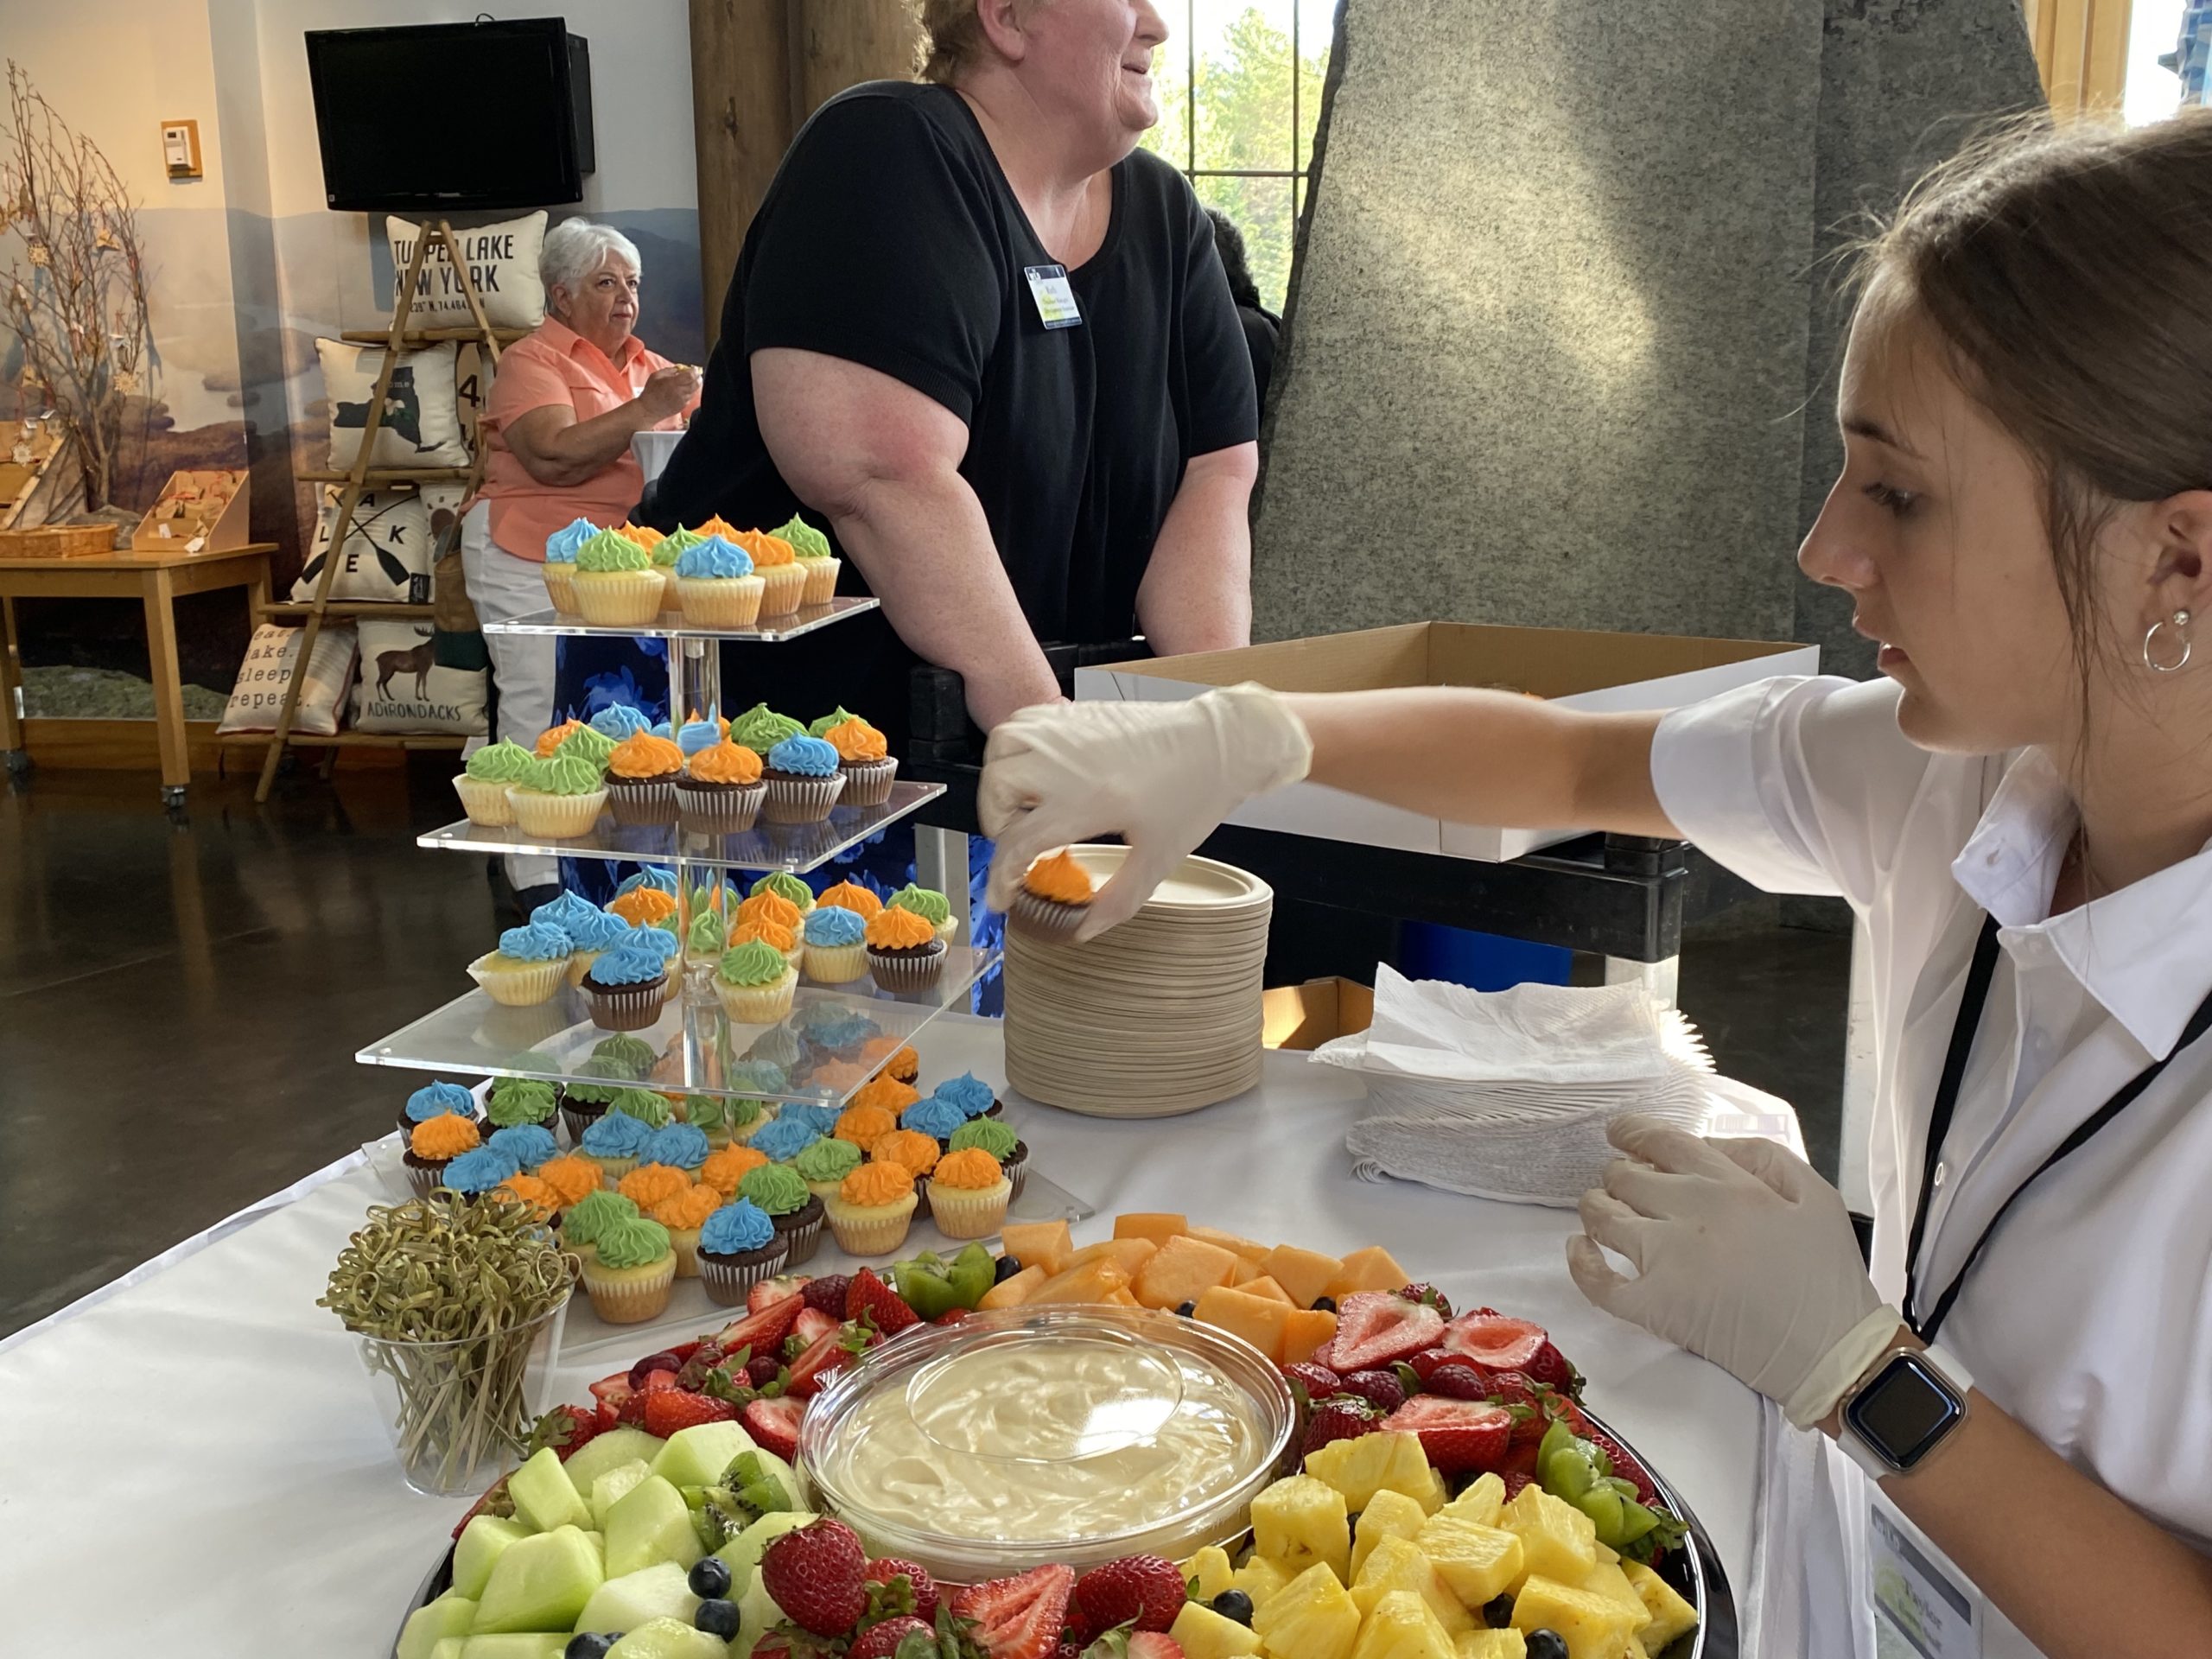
column 448, row 116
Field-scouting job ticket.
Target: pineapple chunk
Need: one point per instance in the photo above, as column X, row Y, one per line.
column 1478, row 1562
column 1204, row 1634
column 1393, row 1564
column 1372, row 1463
column 1557, row 1539
column 1387, row 1515
column 1482, row 1503
column 1207, row 1573
column 1591, row 1626
column 1301, row 1521
column 1671, row 1617
column 1608, row 1579
column 1402, row 1626
column 1492, row 1644
column 1430, row 1491
column 1260, row 1578
column 1312, row 1617
column 1636, row 1648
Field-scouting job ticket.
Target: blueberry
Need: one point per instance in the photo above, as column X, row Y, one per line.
column 719, row 1618
column 1546, row 1645
column 1187, row 1309
column 1006, row 1269
column 1325, row 1304
column 1234, row 1605
column 591, row 1644
column 709, row 1577
column 1498, row 1612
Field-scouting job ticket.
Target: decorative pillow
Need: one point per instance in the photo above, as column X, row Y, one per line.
column 402, row 687
column 258, row 695
column 386, row 554
column 422, row 425
column 502, row 261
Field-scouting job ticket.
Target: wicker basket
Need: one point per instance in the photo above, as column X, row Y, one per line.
column 58, row 541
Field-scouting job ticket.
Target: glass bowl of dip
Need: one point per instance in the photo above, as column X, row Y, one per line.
column 1070, row 1434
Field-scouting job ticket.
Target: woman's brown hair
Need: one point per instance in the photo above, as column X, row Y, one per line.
column 2069, row 273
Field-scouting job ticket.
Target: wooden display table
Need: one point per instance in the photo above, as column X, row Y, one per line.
column 154, row 579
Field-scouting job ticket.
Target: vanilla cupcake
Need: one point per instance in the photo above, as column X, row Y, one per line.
column 783, row 577
column 561, row 548
column 992, row 1135
column 915, row 1152
column 784, row 940
column 968, row 1194
column 484, row 781
column 835, row 941
column 684, row 1215
column 615, row 583
column 614, row 1143
column 872, row 1208
column 755, row 981
column 812, row 549
column 572, row 1178
column 582, row 1221
column 528, row 967
column 850, row 895
column 715, row 585
column 629, row 1274
column 558, row 798
column 824, row 1165
column 726, row 1166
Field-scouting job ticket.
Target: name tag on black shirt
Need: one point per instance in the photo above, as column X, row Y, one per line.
column 1056, row 306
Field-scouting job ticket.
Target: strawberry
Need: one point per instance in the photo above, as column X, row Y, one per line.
column 1146, row 1590
column 1375, row 1327
column 762, row 1330
column 1455, row 1435
column 1430, row 1294
column 1515, row 1480
column 882, row 1641
column 669, row 1410
column 903, row 1587
column 773, row 1425
column 633, row 1408
column 1381, row 1389
column 869, row 1295
column 1019, row 1618
column 1625, row 1465
column 564, row 1428
column 774, row 1290
column 705, row 1358
column 1119, row 1643
column 1345, row 1418
column 951, row 1316
column 613, row 1393
column 1531, row 1407
column 1494, row 1340
column 812, row 1324
column 817, row 1367
column 1551, row 1367
column 814, row 1575
column 1319, row 1381
column 828, row 1293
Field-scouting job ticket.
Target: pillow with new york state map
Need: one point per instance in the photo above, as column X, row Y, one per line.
column 420, row 426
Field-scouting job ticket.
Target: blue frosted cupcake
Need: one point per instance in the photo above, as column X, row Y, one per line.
column 614, row 1143
column 590, row 937
column 437, row 1099
column 938, row 1119
column 528, row 967
column 627, row 985
column 474, row 1174
column 836, row 945
column 804, row 781
column 561, row 563
column 680, row 1145
column 528, row 1144
column 738, row 1248
column 785, row 1138
column 972, row 1095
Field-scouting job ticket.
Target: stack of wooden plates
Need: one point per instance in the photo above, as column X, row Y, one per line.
column 1160, row 1016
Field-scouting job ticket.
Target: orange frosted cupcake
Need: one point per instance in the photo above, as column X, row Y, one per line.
column 904, row 1066
column 642, row 905
column 864, row 1125
column 726, row 1167
column 684, row 1215
column 1055, row 896
column 652, row 1184
column 915, row 1152
column 641, row 775
column 850, row 895
column 866, row 761
column 886, row 1093
column 968, row 1194
column 716, row 525
column 572, row 1178
column 720, row 791
column 771, row 934
column 779, row 569
column 553, row 737
column 767, row 905
column 432, row 1144
column 904, row 951
column 872, row 1209
column 529, row 1190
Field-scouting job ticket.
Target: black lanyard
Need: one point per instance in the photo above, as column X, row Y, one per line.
column 1946, row 1100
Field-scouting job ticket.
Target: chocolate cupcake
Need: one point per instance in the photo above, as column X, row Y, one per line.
column 904, row 951
column 432, row 1147
column 863, row 757
column 641, row 775
column 797, row 1213
column 437, row 1099
column 804, row 781
column 721, row 792
column 739, row 1246
column 628, row 986
column 1053, row 899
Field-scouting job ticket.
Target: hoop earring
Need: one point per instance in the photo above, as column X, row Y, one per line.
column 2179, row 623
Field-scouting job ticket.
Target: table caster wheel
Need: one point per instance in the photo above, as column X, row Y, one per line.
column 19, row 762
column 173, row 797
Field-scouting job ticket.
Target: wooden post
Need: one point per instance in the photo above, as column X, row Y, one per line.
column 840, row 43
column 742, row 124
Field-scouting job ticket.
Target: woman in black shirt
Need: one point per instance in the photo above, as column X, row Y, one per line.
column 990, row 341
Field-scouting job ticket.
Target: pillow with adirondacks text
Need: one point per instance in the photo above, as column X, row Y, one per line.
column 403, row 688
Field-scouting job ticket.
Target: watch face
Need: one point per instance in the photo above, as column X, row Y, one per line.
column 1904, row 1411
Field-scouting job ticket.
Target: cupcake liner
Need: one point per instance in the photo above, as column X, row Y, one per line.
column 1017, row 1170
column 627, row 1007
column 947, row 932
column 630, row 1295
column 580, row 963
column 783, row 588
column 801, row 800
column 867, row 783
column 970, row 1212
column 580, row 1118
column 641, row 800
column 619, row 599
column 728, row 811
column 757, row 1005
column 561, row 588
column 1045, row 918
column 686, row 1246
column 861, row 1234
column 422, row 1180
column 520, row 985
column 821, row 581
column 728, row 1277
column 916, row 973
column 554, row 816
column 836, row 965
column 483, row 801
column 719, row 602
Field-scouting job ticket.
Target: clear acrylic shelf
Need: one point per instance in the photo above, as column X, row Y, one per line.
column 797, row 848
column 769, row 631
column 836, row 1037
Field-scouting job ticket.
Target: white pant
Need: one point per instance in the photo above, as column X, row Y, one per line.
column 502, row 587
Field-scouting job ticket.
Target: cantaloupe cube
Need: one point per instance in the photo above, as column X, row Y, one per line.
column 1306, row 1332
column 1371, row 1268
column 1158, row 1226
column 1121, row 1299
column 1306, row 1275
column 1012, row 1293
column 1129, row 1255
column 1245, row 1271
column 1092, row 1282
column 1250, row 1249
column 1182, row 1270
column 1038, row 1243
column 1256, row 1318
column 1266, row 1286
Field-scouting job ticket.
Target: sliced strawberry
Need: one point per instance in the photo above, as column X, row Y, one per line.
column 763, row 1331
column 869, row 1295
column 661, row 1359
column 1376, row 1326
column 613, row 1393
column 1455, row 1435
column 812, row 1325
column 773, row 1425
column 1429, row 1293
column 1019, row 1618
column 671, row 1411
column 1532, row 1406
column 1153, row 1645
column 952, row 1316
column 770, row 1291
column 817, row 1367
column 1492, row 1339
column 633, row 1408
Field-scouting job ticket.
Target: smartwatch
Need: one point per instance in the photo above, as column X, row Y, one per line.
column 1912, row 1402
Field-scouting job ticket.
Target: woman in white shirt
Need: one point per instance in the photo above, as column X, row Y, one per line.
column 2021, row 810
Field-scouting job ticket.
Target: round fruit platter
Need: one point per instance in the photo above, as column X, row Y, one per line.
column 1175, row 1443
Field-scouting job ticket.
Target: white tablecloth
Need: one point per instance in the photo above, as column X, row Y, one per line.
column 195, row 1453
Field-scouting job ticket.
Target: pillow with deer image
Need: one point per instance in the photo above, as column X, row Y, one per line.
column 421, row 425
column 502, row 261
column 387, row 552
column 403, row 688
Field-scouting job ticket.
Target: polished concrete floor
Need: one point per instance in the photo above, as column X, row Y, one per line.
column 180, row 1000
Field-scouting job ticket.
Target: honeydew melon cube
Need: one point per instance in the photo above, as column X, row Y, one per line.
column 449, row 1615
column 483, row 1541
column 448, row 1647
column 540, row 1583
column 697, row 1456
column 650, row 1524
column 660, row 1591
column 534, row 1644
column 613, row 1487
column 756, row 1611
column 611, row 1450
column 545, row 1497
column 664, row 1638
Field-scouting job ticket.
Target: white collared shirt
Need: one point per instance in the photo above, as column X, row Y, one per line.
column 2089, row 1315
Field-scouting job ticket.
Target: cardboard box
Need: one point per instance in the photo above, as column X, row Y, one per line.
column 1305, row 1016
column 210, row 506
column 1613, row 673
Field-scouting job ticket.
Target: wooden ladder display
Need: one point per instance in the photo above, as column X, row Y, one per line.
column 360, row 477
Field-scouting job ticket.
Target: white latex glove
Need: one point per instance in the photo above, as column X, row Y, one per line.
column 1159, row 775
column 1743, row 1256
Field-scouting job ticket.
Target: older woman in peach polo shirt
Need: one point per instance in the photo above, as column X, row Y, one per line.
column 564, row 405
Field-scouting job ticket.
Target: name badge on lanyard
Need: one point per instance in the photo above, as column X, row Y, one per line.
column 1918, row 1608
column 1056, row 306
